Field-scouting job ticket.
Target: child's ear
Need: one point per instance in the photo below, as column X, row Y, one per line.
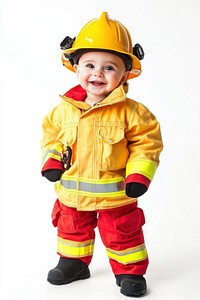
column 75, row 66
column 125, row 77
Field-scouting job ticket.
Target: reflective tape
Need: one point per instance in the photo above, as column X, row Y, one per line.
column 68, row 184
column 141, row 166
column 109, row 188
column 75, row 249
column 128, row 256
column 51, row 153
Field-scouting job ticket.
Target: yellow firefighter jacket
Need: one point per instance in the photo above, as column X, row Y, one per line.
column 115, row 138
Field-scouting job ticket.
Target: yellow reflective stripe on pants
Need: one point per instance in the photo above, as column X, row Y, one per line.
column 141, row 166
column 75, row 249
column 128, row 256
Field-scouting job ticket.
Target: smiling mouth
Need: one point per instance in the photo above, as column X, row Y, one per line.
column 97, row 83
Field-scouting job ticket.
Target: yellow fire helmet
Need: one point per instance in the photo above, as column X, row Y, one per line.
column 107, row 35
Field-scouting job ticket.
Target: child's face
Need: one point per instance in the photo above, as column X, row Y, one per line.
column 99, row 73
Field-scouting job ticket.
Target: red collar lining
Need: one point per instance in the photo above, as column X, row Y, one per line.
column 76, row 93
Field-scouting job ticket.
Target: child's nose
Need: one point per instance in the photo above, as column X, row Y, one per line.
column 98, row 72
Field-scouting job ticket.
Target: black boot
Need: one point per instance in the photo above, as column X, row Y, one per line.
column 68, row 270
column 131, row 285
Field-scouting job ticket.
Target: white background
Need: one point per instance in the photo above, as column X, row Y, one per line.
column 32, row 77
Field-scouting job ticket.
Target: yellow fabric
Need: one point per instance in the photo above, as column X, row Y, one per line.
column 54, row 152
column 107, row 138
column 75, row 249
column 142, row 166
column 128, row 256
column 91, row 187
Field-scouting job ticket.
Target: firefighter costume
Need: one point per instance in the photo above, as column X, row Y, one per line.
column 112, row 155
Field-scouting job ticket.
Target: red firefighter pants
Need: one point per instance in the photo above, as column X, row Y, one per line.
column 120, row 230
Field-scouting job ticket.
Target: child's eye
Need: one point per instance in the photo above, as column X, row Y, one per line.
column 90, row 66
column 109, row 68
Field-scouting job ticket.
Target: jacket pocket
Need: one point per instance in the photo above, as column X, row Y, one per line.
column 68, row 134
column 112, row 147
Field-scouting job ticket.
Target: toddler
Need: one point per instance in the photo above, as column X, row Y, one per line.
column 102, row 150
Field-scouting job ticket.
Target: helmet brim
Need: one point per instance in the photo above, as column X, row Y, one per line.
column 134, row 72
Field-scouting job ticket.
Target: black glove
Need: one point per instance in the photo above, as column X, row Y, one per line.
column 135, row 189
column 52, row 175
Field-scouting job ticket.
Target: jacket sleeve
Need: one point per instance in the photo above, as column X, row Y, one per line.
column 50, row 145
column 145, row 145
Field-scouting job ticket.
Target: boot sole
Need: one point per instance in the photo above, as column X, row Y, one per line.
column 77, row 276
column 136, row 293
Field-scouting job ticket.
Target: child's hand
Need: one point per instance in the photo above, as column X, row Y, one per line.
column 52, row 175
column 135, row 189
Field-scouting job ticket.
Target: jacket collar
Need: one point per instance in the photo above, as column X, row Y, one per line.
column 77, row 95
